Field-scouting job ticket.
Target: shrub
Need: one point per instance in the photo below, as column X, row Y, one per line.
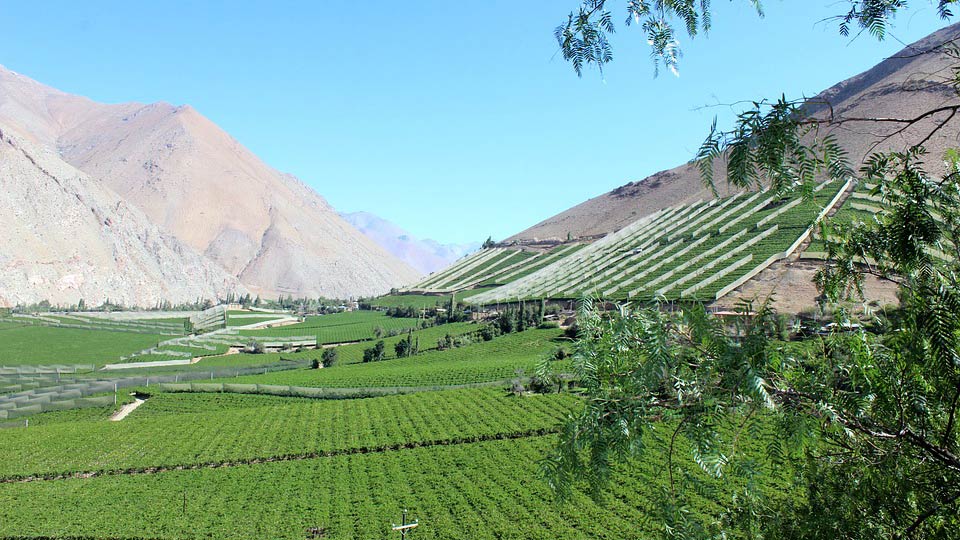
column 254, row 347
column 374, row 354
column 547, row 325
column 487, row 333
column 329, row 357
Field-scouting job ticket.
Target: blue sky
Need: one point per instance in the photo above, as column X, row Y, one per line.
column 455, row 120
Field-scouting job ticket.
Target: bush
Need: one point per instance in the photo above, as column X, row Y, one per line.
column 329, row 357
column 254, row 347
column 374, row 354
column 314, row 364
column 547, row 325
column 540, row 385
column 487, row 333
column 561, row 354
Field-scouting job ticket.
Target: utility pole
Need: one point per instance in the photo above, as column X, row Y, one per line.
column 404, row 526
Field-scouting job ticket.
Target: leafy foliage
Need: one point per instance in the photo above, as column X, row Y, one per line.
column 584, row 38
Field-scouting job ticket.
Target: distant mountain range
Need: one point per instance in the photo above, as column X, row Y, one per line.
column 142, row 203
column 426, row 255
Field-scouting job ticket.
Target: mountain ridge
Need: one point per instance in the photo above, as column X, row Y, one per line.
column 267, row 228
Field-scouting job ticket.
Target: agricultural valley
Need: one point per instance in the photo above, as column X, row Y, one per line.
column 173, row 366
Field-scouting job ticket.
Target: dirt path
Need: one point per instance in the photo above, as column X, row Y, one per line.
column 127, row 409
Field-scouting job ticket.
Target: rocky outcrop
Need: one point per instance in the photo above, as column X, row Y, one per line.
column 66, row 237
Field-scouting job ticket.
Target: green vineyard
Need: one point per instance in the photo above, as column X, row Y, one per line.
column 491, row 267
column 695, row 251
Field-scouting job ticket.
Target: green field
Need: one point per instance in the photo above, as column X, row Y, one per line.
column 225, row 432
column 339, row 327
column 422, row 301
column 22, row 344
column 463, row 461
column 482, row 362
column 488, row 488
column 691, row 252
column 244, row 321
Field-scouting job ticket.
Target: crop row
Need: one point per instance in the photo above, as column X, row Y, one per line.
column 482, row 362
column 478, row 490
column 493, row 266
column 340, row 327
column 32, row 345
column 695, row 249
column 146, row 440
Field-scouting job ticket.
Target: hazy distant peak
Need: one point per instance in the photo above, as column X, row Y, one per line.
column 425, row 255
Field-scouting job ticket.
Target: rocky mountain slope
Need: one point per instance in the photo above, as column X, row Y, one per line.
column 272, row 232
column 66, row 237
column 911, row 82
column 425, row 255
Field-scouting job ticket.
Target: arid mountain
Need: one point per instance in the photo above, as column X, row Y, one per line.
column 191, row 178
column 425, row 255
column 66, row 237
column 911, row 82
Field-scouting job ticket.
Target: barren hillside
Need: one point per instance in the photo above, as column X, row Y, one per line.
column 66, row 237
column 913, row 81
column 188, row 176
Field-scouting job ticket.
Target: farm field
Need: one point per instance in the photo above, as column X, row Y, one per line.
column 339, row 327
column 243, row 428
column 864, row 206
column 463, row 460
column 484, row 489
column 481, row 362
column 23, row 344
column 491, row 267
column 693, row 251
column 421, row 301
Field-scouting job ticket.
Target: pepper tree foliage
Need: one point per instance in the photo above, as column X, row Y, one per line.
column 584, row 38
column 862, row 425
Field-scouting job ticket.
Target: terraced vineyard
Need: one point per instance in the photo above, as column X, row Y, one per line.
column 695, row 251
column 492, row 266
column 865, row 205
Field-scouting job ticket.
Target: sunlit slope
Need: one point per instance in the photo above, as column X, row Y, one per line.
column 492, row 266
column 700, row 250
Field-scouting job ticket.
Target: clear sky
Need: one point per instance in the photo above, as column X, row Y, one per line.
column 455, row 120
